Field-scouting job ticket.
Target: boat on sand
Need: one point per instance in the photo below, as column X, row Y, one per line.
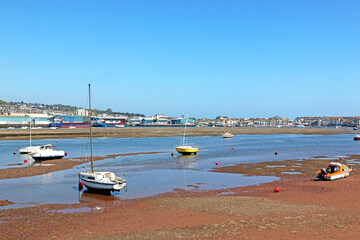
column 105, row 182
column 333, row 171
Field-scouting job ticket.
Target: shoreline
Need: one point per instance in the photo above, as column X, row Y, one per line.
column 138, row 132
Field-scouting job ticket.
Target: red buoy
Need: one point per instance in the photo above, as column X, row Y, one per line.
column 217, row 163
column 232, row 148
column 81, row 185
column 66, row 154
column 56, row 141
column 25, row 161
column 276, row 189
column 341, row 158
column 53, row 146
column 172, row 154
column 14, row 153
column 276, row 153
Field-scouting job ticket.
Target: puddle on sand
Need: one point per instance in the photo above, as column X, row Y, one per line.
column 225, row 193
column 275, row 166
column 73, row 210
column 291, row 173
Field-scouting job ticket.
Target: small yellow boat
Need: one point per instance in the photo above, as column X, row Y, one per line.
column 187, row 149
column 334, row 171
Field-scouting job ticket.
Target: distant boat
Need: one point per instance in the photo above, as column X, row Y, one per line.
column 228, row 134
column 45, row 152
column 186, row 148
column 357, row 137
column 120, row 126
column 100, row 181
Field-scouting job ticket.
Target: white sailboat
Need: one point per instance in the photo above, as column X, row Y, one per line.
column 100, row 181
column 29, row 149
column 186, row 148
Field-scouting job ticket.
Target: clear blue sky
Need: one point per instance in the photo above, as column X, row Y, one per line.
column 205, row 58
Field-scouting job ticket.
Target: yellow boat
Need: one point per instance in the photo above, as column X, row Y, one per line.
column 334, row 171
column 186, row 149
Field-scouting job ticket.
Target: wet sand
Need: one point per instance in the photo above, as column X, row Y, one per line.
column 48, row 166
column 302, row 209
column 141, row 132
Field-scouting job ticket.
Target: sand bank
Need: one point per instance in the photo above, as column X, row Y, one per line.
column 141, row 132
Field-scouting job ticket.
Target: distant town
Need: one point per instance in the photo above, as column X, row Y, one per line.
column 22, row 115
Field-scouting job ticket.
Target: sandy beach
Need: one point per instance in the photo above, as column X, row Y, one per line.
column 302, row 209
column 141, row 132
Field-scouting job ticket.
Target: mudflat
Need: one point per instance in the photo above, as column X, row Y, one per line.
column 141, row 132
column 302, row 209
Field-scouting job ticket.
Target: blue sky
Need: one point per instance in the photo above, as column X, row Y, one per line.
column 205, row 58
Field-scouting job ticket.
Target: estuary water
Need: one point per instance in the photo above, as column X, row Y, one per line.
column 151, row 174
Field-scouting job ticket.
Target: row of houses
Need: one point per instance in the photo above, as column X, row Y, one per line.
column 328, row 121
column 20, row 116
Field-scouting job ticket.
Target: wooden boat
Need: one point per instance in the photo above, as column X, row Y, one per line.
column 334, row 171
column 100, row 181
column 186, row 148
column 228, row 134
column 45, row 152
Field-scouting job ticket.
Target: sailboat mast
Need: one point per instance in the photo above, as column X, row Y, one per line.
column 91, row 148
column 30, row 126
column 185, row 129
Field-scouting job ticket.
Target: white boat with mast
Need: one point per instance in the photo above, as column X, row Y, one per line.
column 100, row 181
column 29, row 149
column 186, row 148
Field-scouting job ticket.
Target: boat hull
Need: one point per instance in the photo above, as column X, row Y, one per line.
column 46, row 158
column 186, row 151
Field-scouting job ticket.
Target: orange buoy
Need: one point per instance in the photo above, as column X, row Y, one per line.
column 276, row 189
column 217, row 163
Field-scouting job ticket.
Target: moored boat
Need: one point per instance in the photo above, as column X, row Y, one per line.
column 186, row 148
column 102, row 182
column 334, row 171
column 228, row 134
column 46, row 153
column 357, row 137
column 29, row 149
